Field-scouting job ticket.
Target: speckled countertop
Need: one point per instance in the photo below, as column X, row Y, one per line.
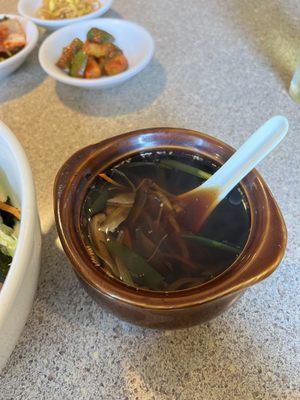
column 221, row 67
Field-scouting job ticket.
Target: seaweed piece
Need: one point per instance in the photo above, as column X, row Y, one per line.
column 5, row 262
column 99, row 204
column 213, row 243
column 138, row 267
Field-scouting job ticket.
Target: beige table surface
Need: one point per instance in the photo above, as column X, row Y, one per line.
column 221, row 67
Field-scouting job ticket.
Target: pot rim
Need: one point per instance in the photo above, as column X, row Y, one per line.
column 259, row 258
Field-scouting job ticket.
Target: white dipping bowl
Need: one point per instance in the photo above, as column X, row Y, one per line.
column 29, row 9
column 136, row 43
column 31, row 31
column 17, row 293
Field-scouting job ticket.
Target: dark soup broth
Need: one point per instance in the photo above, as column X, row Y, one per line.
column 132, row 231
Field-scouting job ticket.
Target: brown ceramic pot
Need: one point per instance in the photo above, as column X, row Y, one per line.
column 262, row 254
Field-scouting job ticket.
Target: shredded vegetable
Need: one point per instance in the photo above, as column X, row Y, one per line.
column 9, row 225
column 61, row 9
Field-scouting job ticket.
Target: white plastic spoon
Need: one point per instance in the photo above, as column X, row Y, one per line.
column 198, row 204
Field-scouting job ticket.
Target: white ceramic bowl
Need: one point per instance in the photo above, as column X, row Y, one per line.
column 29, row 8
column 136, row 43
column 11, row 64
column 17, row 293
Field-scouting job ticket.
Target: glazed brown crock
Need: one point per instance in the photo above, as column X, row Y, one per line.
column 262, row 254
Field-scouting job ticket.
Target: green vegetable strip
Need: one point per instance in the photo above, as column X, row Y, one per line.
column 138, row 267
column 212, row 243
column 8, row 242
column 78, row 64
column 185, row 168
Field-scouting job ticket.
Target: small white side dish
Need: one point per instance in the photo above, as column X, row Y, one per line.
column 11, row 64
column 17, row 293
column 135, row 41
column 29, row 9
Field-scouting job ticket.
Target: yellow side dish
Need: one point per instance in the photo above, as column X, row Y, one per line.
column 62, row 9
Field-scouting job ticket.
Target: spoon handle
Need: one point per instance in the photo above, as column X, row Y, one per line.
column 257, row 147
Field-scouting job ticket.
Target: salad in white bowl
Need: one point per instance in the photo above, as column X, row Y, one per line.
column 10, row 217
column 20, row 241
